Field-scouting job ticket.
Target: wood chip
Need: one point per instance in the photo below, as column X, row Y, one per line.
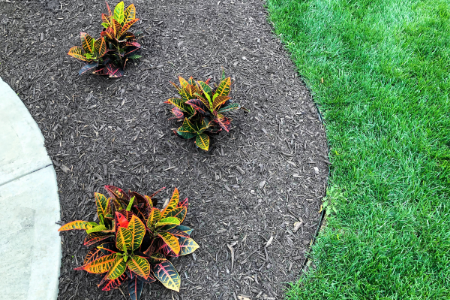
column 269, row 242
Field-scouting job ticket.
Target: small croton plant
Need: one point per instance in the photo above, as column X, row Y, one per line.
column 202, row 108
column 109, row 54
column 133, row 240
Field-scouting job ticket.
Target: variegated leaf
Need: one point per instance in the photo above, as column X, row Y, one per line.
column 113, row 284
column 198, row 105
column 123, row 239
column 188, row 126
column 100, row 47
column 77, row 53
column 172, row 203
column 118, row 268
column 232, row 106
column 185, row 134
column 92, row 255
column 220, row 100
column 96, row 237
column 202, row 141
column 119, row 12
column 177, row 102
column 116, row 192
column 108, row 32
column 114, row 71
column 178, row 233
column 171, row 241
column 224, row 122
column 76, row 225
column 106, row 19
column 224, row 87
column 178, row 113
column 166, row 273
column 183, row 82
column 186, row 229
column 116, row 27
column 109, row 9
column 204, row 101
column 179, row 213
column 154, row 217
column 87, row 68
column 139, row 266
column 205, row 88
column 125, row 28
column 87, row 42
column 102, row 204
column 130, row 13
column 184, row 203
column 101, row 265
column 187, row 246
column 137, row 229
column 135, row 286
column 108, row 248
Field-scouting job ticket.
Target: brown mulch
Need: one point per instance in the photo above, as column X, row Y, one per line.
column 245, row 194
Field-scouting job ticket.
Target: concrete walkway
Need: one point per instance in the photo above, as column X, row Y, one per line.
column 30, row 246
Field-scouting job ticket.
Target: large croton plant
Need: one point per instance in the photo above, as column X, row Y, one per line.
column 108, row 55
column 201, row 108
column 133, row 240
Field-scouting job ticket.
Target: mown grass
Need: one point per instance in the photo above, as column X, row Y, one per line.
column 379, row 71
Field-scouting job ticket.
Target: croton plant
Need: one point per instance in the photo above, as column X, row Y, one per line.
column 202, row 108
column 133, row 240
column 109, row 54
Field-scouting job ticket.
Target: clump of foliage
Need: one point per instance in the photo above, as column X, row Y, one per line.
column 134, row 240
column 201, row 108
column 109, row 54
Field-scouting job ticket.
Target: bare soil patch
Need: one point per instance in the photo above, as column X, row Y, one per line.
column 269, row 172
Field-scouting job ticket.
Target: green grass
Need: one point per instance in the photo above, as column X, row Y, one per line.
column 385, row 66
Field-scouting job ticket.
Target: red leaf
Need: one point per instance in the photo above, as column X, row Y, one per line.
column 121, row 220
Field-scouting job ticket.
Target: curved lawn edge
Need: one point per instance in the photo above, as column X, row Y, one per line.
column 379, row 72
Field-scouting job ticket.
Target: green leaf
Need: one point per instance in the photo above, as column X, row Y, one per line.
column 168, row 221
column 185, row 134
column 206, row 89
column 134, row 56
column 96, row 229
column 119, row 12
column 130, row 204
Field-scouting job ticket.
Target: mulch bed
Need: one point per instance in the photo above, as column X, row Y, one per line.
column 269, row 172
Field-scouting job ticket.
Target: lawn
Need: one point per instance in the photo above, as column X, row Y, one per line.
column 379, row 71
